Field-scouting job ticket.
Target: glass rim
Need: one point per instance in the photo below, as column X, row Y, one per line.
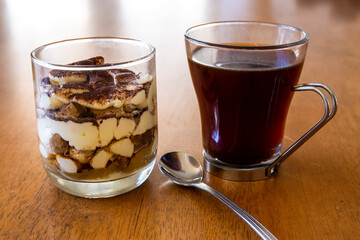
column 116, row 65
column 303, row 40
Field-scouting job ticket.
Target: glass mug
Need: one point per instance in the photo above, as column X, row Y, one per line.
column 245, row 75
column 96, row 114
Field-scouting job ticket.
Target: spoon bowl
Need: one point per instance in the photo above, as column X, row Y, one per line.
column 186, row 170
column 181, row 168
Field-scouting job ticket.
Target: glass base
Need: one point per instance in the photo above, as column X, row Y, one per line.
column 239, row 173
column 102, row 189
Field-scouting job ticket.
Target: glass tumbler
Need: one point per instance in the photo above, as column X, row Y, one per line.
column 96, row 113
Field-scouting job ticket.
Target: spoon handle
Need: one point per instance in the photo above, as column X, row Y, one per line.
column 253, row 223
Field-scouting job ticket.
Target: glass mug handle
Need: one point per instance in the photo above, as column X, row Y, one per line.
column 330, row 111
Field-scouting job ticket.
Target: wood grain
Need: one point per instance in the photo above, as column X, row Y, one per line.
column 316, row 195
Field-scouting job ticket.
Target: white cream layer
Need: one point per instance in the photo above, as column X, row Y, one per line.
column 87, row 136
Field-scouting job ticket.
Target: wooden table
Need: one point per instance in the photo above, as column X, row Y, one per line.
column 316, row 194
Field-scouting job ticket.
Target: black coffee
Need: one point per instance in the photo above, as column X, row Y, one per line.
column 244, row 102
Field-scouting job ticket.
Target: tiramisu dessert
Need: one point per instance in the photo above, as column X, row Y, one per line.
column 97, row 125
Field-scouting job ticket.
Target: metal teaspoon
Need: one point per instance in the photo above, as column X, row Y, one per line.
column 186, row 170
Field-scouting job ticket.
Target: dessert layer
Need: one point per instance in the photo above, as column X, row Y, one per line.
column 89, row 136
column 89, row 120
column 117, row 152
